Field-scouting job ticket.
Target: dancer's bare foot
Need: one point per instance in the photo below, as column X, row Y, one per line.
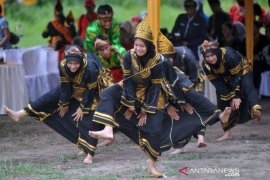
column 15, row 115
column 152, row 167
column 226, row 136
column 257, row 114
column 200, row 142
column 105, row 142
column 224, row 116
column 178, row 151
column 106, row 133
column 88, row 159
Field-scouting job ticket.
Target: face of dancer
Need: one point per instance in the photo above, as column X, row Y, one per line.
column 105, row 51
column 140, row 47
column 73, row 66
column 210, row 58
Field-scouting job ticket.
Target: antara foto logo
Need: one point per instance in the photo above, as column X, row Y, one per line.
column 184, row 171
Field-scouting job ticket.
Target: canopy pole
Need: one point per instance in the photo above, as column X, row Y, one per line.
column 154, row 17
column 2, row 5
column 249, row 21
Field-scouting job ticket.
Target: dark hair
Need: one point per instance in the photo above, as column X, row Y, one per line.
column 257, row 9
column 104, row 9
column 102, row 37
column 213, row 2
column 232, row 27
column 0, row 10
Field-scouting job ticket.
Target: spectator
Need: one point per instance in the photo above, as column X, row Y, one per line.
column 104, row 25
column 59, row 32
column 127, row 32
column 230, row 37
column 4, row 32
column 109, row 56
column 260, row 41
column 237, row 11
column 87, row 18
column 190, row 28
column 216, row 20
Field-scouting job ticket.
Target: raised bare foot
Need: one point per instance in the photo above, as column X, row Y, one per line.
column 226, row 136
column 106, row 133
column 105, row 142
column 88, row 159
column 14, row 115
column 224, row 116
column 152, row 167
column 178, row 151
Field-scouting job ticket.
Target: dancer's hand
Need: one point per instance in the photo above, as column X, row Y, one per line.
column 235, row 103
column 78, row 114
column 187, row 107
column 62, row 110
column 172, row 111
column 142, row 118
column 130, row 111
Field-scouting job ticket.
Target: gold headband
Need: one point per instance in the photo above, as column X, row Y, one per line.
column 143, row 30
column 164, row 45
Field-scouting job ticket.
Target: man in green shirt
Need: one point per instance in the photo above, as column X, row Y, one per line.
column 104, row 25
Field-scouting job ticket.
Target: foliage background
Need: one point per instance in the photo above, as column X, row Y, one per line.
column 34, row 18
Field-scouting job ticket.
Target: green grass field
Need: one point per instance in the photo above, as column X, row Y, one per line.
column 33, row 19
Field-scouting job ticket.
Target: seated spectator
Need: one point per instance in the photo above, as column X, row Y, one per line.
column 110, row 57
column 230, row 38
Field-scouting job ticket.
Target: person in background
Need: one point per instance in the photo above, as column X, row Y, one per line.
column 190, row 28
column 216, row 20
column 230, row 73
column 231, row 38
column 4, row 32
column 87, row 18
column 105, row 25
column 59, row 31
column 267, row 16
column 109, row 56
column 260, row 41
column 127, row 32
column 237, row 11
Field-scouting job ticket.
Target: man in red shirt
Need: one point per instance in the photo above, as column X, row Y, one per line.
column 85, row 19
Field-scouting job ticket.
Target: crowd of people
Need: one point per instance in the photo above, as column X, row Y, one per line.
column 116, row 77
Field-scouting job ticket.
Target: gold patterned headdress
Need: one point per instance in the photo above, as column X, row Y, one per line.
column 164, row 45
column 144, row 31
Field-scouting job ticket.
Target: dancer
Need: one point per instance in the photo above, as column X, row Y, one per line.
column 231, row 74
column 69, row 109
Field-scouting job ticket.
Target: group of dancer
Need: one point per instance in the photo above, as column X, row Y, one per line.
column 155, row 105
